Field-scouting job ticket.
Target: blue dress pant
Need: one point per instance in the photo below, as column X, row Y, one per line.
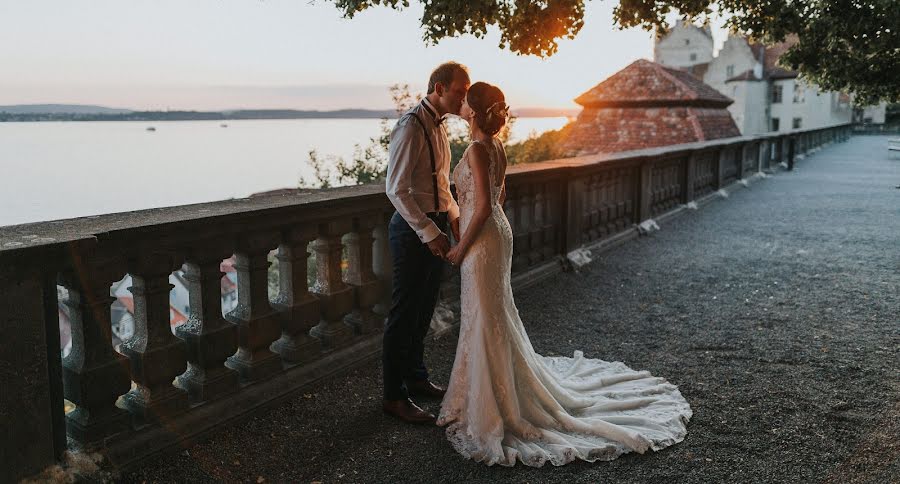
column 417, row 280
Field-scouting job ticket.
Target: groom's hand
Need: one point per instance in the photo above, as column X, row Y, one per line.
column 439, row 246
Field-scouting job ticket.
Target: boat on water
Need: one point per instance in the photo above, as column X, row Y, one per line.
column 223, row 125
column 151, row 128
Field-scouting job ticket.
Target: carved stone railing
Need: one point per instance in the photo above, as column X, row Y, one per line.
column 159, row 389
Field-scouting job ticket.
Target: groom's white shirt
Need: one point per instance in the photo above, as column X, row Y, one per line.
column 409, row 185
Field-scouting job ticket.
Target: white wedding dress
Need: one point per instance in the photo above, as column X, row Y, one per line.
column 506, row 402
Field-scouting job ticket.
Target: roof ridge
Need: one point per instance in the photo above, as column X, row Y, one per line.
column 676, row 80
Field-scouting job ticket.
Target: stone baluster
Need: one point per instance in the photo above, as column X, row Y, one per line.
column 94, row 374
column 258, row 324
column 299, row 309
column 361, row 275
column 335, row 295
column 156, row 355
column 209, row 337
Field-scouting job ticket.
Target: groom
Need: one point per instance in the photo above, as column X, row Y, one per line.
column 418, row 185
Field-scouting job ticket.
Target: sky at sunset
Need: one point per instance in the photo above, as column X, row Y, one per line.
column 289, row 54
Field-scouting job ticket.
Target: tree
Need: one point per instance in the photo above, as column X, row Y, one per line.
column 844, row 45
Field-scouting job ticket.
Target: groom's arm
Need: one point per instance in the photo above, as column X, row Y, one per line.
column 404, row 151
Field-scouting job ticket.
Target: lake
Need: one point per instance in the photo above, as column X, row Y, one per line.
column 56, row 170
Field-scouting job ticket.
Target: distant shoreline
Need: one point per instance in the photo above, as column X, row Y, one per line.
column 260, row 114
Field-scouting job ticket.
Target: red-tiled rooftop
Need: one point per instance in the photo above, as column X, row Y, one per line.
column 773, row 53
column 647, row 105
column 645, row 83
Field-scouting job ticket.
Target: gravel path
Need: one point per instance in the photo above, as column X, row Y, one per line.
column 775, row 311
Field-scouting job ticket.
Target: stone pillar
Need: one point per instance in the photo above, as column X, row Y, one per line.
column 724, row 153
column 209, row 337
column 336, row 297
column 155, row 354
column 384, row 267
column 765, row 154
column 690, row 177
column 298, row 308
column 94, row 374
column 536, row 231
column 258, row 324
column 521, row 233
column 646, row 189
column 596, row 209
column 361, row 275
column 31, row 407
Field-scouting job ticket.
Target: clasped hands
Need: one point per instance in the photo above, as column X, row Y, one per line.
column 440, row 246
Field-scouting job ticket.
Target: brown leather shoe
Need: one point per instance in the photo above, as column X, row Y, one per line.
column 407, row 411
column 425, row 388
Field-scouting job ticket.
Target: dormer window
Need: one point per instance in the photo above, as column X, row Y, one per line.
column 729, row 71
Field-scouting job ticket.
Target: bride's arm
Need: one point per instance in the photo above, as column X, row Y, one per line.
column 478, row 165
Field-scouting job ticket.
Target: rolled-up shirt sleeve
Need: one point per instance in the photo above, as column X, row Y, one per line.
column 404, row 151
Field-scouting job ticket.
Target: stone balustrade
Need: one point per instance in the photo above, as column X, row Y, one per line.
column 160, row 389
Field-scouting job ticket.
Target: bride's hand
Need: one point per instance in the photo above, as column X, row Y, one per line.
column 455, row 255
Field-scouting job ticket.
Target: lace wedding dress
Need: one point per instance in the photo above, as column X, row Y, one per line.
column 506, row 402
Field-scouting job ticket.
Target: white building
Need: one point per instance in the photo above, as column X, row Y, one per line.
column 685, row 45
column 766, row 97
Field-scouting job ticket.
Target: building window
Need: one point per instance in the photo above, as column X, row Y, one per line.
column 687, row 41
column 797, row 123
column 729, row 71
column 693, row 57
column 775, row 124
column 776, row 94
column 798, row 92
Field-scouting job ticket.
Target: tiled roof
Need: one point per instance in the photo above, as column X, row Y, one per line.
column 128, row 302
column 614, row 129
column 646, row 105
column 779, row 73
column 697, row 70
column 645, row 83
column 771, row 56
column 759, row 51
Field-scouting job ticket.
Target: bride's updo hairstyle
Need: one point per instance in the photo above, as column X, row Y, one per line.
column 489, row 105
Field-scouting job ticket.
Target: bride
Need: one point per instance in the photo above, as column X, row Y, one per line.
column 506, row 402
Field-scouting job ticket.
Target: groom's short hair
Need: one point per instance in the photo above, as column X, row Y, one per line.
column 445, row 73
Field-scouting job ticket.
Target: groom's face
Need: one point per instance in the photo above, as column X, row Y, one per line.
column 453, row 95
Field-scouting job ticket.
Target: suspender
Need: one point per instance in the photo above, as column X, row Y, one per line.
column 433, row 165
